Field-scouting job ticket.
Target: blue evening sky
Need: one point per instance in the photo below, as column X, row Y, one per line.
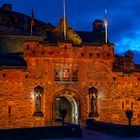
column 123, row 17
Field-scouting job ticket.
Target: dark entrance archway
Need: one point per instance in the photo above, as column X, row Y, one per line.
column 66, row 100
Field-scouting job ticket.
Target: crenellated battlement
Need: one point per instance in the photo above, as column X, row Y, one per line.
column 68, row 50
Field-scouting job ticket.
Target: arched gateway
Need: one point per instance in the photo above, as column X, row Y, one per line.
column 66, row 100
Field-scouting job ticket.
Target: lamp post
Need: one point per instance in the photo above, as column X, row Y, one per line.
column 92, row 101
column 129, row 115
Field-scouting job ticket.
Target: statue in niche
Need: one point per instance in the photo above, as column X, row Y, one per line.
column 38, row 94
column 38, row 102
column 93, row 104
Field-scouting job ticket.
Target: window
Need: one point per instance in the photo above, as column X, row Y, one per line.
column 108, row 55
column 33, row 52
column 90, row 55
column 82, row 54
column 126, row 104
column 138, row 79
column 57, row 74
column 98, row 55
column 75, row 74
column 27, row 47
column 9, row 110
column 38, row 94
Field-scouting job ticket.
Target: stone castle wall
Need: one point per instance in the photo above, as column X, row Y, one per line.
column 13, row 43
column 117, row 91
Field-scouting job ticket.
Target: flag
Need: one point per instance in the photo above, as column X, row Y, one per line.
column 105, row 19
column 32, row 20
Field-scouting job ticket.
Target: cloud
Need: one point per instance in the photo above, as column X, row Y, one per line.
column 123, row 17
column 129, row 41
column 137, row 57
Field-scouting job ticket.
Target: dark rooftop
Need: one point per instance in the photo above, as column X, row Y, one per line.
column 92, row 37
column 12, row 59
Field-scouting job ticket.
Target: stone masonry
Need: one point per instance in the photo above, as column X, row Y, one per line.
column 116, row 91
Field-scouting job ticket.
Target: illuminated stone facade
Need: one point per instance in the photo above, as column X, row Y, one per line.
column 87, row 66
column 86, row 79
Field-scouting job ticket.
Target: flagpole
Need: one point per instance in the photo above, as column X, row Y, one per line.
column 31, row 33
column 32, row 22
column 65, row 32
column 106, row 26
column 106, row 34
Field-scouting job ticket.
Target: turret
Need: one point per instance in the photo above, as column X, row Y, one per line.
column 98, row 25
column 7, row 7
column 129, row 60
